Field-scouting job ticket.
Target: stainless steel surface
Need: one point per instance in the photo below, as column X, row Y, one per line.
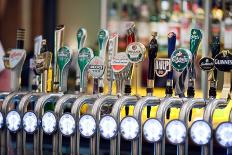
column 208, row 117
column 184, row 116
column 161, row 115
column 151, row 100
column 39, row 110
column 5, row 135
column 76, row 108
column 59, row 109
column 96, row 112
column 125, row 100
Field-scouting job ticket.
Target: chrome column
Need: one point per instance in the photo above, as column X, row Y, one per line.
column 39, row 110
column 23, row 105
column 161, row 115
column 6, row 107
column 61, row 104
column 184, row 116
column 145, row 101
column 123, row 101
column 77, row 105
column 96, row 112
column 208, row 117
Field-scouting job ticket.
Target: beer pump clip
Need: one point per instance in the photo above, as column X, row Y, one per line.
column 96, row 66
column 81, row 38
column 101, row 107
column 13, row 60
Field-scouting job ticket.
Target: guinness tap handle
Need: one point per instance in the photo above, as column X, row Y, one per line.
column 152, row 54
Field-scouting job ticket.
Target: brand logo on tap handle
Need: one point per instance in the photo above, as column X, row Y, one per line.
column 162, row 66
column 223, row 61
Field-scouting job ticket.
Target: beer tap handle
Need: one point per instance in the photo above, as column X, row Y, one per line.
column 84, row 57
column 215, row 49
column 152, row 54
column 81, row 38
column 195, row 40
column 14, row 60
column 64, row 61
column 171, row 49
column 131, row 34
column 59, row 41
column 112, row 50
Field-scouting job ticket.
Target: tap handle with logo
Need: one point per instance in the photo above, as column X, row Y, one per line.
column 81, row 38
column 64, row 61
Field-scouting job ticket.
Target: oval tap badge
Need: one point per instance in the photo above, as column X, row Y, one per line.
column 206, row 64
column 223, row 61
column 119, row 62
column 63, row 57
column 162, row 66
column 96, row 67
column 180, row 59
column 135, row 52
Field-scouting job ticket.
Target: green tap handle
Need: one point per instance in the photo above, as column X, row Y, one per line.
column 64, row 61
column 81, row 38
column 103, row 37
column 83, row 59
column 195, row 40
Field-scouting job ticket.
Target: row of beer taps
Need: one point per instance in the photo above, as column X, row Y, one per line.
column 50, row 112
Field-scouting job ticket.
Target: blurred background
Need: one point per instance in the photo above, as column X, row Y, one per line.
column 180, row 16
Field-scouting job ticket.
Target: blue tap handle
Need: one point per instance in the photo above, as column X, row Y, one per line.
column 171, row 48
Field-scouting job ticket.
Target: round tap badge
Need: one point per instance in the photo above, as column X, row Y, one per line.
column 119, row 62
column 96, row 67
column 206, row 64
column 64, row 57
column 135, row 52
column 223, row 61
column 180, row 59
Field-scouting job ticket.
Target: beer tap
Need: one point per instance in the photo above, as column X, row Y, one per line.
column 13, row 60
column 97, row 64
column 180, row 60
column 221, row 62
column 135, row 53
column 148, row 100
column 59, row 39
column 105, row 101
column 36, row 77
column 81, row 37
column 112, row 51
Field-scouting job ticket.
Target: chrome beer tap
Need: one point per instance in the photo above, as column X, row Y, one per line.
column 148, row 100
column 13, row 60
